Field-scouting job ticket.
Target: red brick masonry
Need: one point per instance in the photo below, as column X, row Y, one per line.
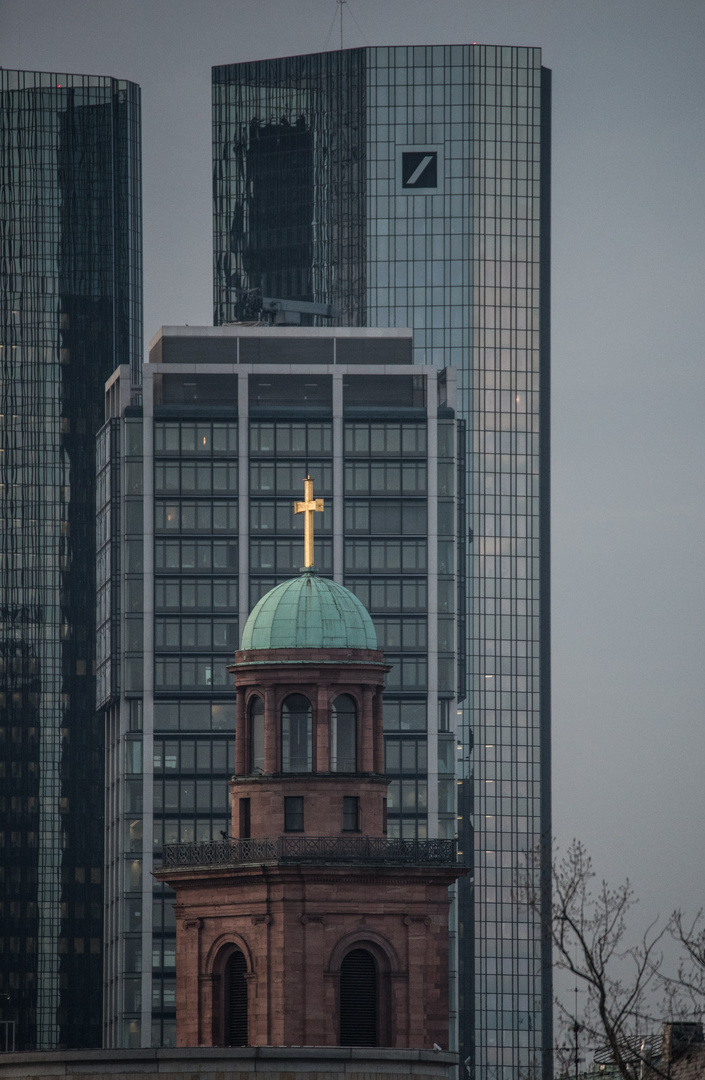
column 294, row 924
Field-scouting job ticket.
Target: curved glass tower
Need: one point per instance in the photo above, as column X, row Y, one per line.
column 71, row 310
column 410, row 187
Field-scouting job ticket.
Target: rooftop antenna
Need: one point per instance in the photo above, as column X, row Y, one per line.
column 340, row 5
column 577, row 1028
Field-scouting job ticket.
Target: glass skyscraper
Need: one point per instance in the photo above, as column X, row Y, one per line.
column 70, row 277
column 411, row 187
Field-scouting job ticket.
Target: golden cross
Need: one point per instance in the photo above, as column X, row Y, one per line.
column 309, row 507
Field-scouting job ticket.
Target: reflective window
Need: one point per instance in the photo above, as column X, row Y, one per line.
column 203, row 438
column 385, row 477
column 351, row 813
column 256, row 763
column 297, row 734
column 386, row 516
column 385, row 439
column 293, row 813
column 268, row 437
column 385, row 555
column 343, row 735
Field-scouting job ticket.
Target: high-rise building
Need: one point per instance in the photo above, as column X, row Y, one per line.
column 199, row 470
column 70, row 249
column 410, row 186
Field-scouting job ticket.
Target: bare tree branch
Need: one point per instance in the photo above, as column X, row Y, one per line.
column 684, row 991
column 590, row 938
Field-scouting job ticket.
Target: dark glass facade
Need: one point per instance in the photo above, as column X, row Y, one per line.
column 442, row 187
column 310, row 245
column 70, row 236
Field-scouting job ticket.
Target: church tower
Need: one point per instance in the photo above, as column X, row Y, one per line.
column 308, row 926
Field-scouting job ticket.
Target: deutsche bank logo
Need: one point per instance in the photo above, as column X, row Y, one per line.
column 419, row 170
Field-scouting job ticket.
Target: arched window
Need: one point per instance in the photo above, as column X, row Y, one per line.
column 297, row 734
column 359, row 999
column 256, row 763
column 343, row 735
column 235, row 1000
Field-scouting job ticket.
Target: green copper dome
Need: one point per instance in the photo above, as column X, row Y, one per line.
column 309, row 612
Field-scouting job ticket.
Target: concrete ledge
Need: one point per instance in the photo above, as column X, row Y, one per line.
column 231, row 1063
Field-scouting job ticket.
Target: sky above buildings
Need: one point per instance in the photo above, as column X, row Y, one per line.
column 627, row 343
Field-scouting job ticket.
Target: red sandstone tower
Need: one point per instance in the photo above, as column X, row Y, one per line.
column 310, row 927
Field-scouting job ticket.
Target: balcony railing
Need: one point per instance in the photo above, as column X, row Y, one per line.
column 306, row 849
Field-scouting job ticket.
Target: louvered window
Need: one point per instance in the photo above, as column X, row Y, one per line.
column 235, row 1000
column 245, row 816
column 358, row 999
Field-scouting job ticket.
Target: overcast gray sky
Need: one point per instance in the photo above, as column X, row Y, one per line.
column 628, row 342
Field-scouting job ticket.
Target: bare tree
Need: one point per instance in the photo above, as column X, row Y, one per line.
column 685, row 990
column 591, row 942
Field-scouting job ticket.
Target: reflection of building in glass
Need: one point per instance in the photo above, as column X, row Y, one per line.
column 429, row 208
column 302, row 132
column 71, row 309
column 282, row 259
column 197, row 491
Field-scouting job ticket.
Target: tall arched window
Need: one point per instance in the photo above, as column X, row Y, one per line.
column 235, row 1000
column 256, row 763
column 297, row 734
column 343, row 735
column 359, row 999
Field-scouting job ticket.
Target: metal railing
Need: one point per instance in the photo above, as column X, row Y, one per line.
column 321, row 849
